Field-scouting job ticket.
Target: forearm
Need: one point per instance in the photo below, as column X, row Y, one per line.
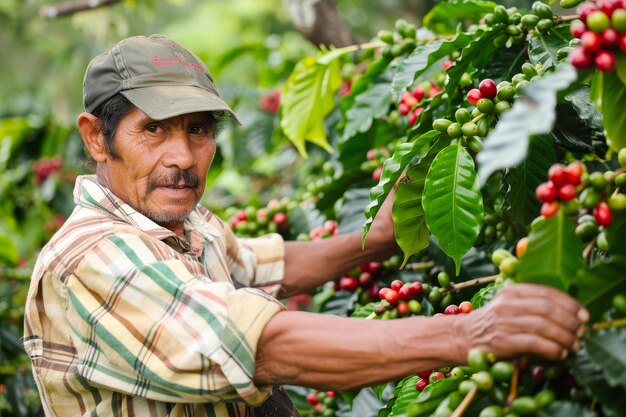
column 310, row 264
column 338, row 353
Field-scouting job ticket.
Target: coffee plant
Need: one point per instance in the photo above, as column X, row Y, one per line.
column 503, row 133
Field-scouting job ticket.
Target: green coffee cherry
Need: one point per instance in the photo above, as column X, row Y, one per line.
column 386, row 36
column 542, row 10
column 500, row 14
column 506, row 92
column 483, row 380
column 502, row 371
column 492, row 411
column 517, row 78
column 475, row 144
column 485, row 105
column 590, row 197
column 441, row 125
column 621, row 157
column 529, row 70
column 617, row 202
column 530, row 20
column 483, row 128
column 477, row 360
column 454, row 130
column 500, row 40
column 502, row 106
column 462, row 115
column 563, row 53
column 602, row 242
column 544, row 398
column 586, row 231
column 545, row 24
column 444, row 279
column 524, row 405
column 619, row 303
column 597, row 180
column 469, row 129
column 466, row 386
column 620, row 180
column 520, row 86
column 509, row 266
column 569, row 4
column 465, row 80
column 513, row 30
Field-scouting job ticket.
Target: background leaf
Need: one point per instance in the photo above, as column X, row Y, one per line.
column 522, row 180
column 309, row 96
column 445, row 16
column 606, row 349
column 452, row 202
column 614, row 116
column 372, row 103
column 554, row 253
column 566, row 409
column 532, row 113
column 598, row 285
column 543, row 46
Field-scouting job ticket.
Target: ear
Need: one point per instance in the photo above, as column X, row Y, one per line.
column 88, row 125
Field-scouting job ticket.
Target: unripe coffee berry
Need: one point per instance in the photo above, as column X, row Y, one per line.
column 621, row 157
column 499, row 255
column 454, row 130
column 444, row 279
column 508, row 266
column 462, row 115
column 485, row 105
column 598, row 21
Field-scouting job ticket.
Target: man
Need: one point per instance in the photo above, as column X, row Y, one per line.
column 145, row 304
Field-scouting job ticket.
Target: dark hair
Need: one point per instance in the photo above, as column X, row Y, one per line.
column 111, row 111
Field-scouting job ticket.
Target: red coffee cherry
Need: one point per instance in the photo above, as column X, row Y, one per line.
column 557, row 175
column 451, row 310
column 591, row 42
column 580, row 59
column 546, row 192
column 421, row 384
column 488, row 88
column 549, row 209
column 473, row 96
column 392, row 297
column 567, row 192
column 465, row 307
column 603, row 214
column 605, row 61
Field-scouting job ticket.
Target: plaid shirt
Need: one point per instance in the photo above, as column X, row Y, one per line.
column 125, row 318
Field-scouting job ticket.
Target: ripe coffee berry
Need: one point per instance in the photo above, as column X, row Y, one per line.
column 557, row 175
column 567, row 192
column 521, row 246
column 604, row 61
column 549, row 209
column 580, row 58
column 603, row 214
column 465, row 307
column 396, row 284
column 416, row 289
column 473, row 96
column 421, row 384
column 392, row 296
column 451, row 310
column 546, row 192
column 574, row 172
column 312, row 399
column 403, row 308
column 591, row 42
column 487, row 88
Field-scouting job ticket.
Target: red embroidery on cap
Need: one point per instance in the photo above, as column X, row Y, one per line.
column 167, row 61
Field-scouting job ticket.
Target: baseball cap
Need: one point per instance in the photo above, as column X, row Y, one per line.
column 154, row 73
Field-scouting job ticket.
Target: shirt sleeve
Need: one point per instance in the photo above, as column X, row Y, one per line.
column 153, row 326
column 256, row 262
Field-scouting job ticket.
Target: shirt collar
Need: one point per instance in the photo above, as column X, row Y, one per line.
column 90, row 194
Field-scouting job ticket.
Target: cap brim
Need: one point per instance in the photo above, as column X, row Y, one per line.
column 163, row 102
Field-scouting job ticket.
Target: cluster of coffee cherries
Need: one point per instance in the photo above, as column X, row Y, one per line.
column 398, row 42
column 506, row 261
column 468, row 126
column 602, row 34
column 252, row 221
column 323, row 403
column 489, row 378
column 515, row 25
column 496, row 227
column 403, row 298
column 363, row 276
column 409, row 104
column 45, row 167
column 561, row 187
column 374, row 163
column 270, row 102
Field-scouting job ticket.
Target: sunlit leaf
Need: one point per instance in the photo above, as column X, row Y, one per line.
column 453, row 202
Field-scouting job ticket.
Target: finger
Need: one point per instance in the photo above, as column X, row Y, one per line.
column 539, row 327
column 548, row 311
column 525, row 343
column 552, row 295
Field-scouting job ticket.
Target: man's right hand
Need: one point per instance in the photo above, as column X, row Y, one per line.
column 525, row 319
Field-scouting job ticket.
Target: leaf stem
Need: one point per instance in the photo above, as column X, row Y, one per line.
column 458, row 412
column 607, row 324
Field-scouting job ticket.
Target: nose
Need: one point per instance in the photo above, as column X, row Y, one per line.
column 179, row 153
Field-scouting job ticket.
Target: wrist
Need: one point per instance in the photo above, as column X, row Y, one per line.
column 459, row 339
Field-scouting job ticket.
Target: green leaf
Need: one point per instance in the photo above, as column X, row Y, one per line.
column 453, row 202
column 593, row 380
column 606, row 349
column 406, row 394
column 369, row 105
column 581, row 102
column 9, row 255
column 350, row 212
column 362, row 83
column 308, row 96
column 554, row 253
column 598, row 285
column 615, row 232
column 408, row 214
column 433, row 394
column 620, row 67
column 486, row 294
column 532, row 113
column 571, row 132
column 524, row 179
column 422, row 58
column 505, row 64
column 614, row 116
column 392, row 169
column 445, row 15
column 543, row 46
column 566, row 409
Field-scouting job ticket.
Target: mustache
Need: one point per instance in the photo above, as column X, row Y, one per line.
column 175, row 178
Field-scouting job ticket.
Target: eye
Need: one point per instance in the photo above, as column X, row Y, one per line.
column 198, row 129
column 152, row 128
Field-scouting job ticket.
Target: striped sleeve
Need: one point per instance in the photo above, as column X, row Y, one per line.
column 158, row 329
column 256, row 262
